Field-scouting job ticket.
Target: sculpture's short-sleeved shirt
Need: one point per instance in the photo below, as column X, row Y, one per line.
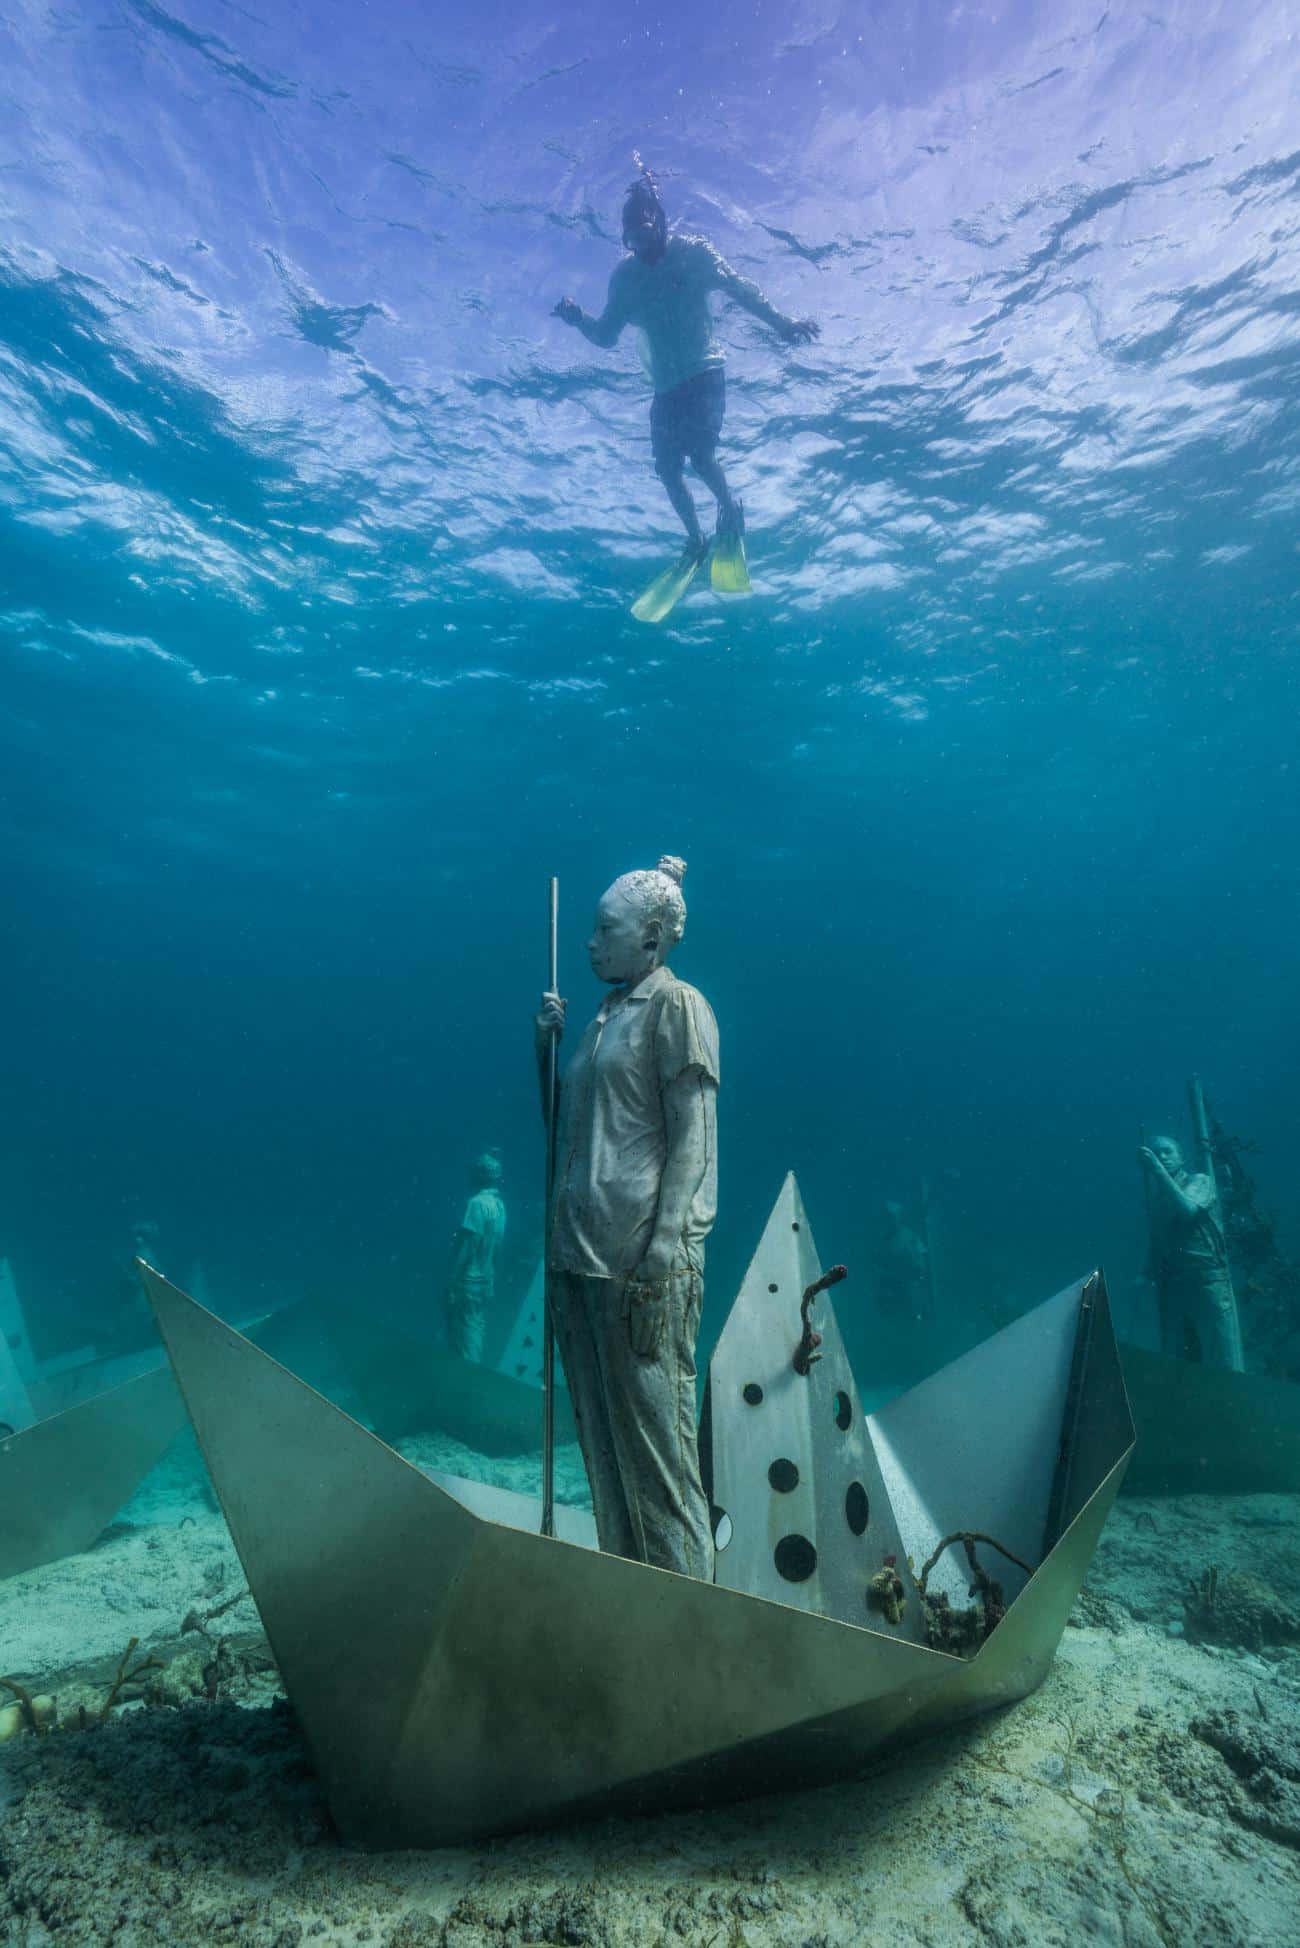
column 613, row 1140
column 485, row 1222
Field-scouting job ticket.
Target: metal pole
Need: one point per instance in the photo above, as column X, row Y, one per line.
column 548, row 1321
column 1146, row 1207
column 1201, row 1131
column 1201, row 1127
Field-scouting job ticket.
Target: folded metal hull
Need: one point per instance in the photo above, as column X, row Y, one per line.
column 459, row 1676
column 63, row 1479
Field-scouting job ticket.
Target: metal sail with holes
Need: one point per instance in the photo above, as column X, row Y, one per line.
column 801, row 1512
column 410, row 1617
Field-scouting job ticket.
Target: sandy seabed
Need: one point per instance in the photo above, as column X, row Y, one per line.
column 1148, row 1794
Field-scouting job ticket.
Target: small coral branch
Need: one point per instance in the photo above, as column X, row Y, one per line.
column 806, row 1355
column 964, row 1630
column 125, row 1677
column 200, row 1619
column 968, row 1537
column 886, row 1592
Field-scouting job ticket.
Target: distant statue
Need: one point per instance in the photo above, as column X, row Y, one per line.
column 1187, row 1261
column 131, row 1323
column 635, row 1198
column 471, row 1280
column 902, row 1266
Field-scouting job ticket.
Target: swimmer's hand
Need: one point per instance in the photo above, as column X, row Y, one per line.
column 567, row 312
column 799, row 331
column 549, row 1019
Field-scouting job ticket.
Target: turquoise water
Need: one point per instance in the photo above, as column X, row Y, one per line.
column 319, row 538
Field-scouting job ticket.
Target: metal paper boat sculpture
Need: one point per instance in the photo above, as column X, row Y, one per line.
column 458, row 1675
column 63, row 1478
column 77, row 1437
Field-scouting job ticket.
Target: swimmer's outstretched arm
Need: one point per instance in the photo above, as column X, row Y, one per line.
column 744, row 292
column 602, row 331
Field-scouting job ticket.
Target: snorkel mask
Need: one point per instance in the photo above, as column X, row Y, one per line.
column 645, row 227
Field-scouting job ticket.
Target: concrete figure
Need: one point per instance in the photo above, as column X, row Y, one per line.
column 635, row 1198
column 471, row 1282
column 130, row 1326
column 902, row 1266
column 1188, row 1262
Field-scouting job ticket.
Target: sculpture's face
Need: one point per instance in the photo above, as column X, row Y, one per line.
column 1169, row 1154
column 622, row 948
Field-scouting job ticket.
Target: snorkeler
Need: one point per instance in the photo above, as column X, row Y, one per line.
column 663, row 288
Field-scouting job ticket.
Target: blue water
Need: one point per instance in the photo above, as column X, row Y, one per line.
column 318, row 538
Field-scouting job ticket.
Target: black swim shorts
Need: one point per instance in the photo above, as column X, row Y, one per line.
column 685, row 422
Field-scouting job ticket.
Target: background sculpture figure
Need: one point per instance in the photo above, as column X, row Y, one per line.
column 1187, row 1261
column 902, row 1265
column 635, row 1199
column 471, row 1280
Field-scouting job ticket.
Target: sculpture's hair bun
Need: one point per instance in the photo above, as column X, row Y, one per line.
column 674, row 867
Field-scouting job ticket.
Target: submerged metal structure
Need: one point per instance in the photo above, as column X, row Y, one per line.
column 77, row 1437
column 458, row 1675
column 63, row 1478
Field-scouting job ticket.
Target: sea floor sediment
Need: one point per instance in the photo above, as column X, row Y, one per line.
column 1149, row 1793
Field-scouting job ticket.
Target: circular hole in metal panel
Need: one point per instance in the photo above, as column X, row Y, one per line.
column 843, row 1412
column 795, row 1226
column 773, row 1288
column 752, row 1394
column 857, row 1508
column 795, row 1558
column 722, row 1529
column 784, row 1476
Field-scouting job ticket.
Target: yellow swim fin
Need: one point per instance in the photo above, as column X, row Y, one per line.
column 658, row 601
column 730, row 569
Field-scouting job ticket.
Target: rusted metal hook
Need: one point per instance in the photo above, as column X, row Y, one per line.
column 805, row 1353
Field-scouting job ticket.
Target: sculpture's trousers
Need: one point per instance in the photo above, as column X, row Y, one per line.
column 1198, row 1313
column 636, row 1421
column 465, row 1303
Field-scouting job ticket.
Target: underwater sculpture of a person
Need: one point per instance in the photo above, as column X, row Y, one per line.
column 471, row 1279
column 662, row 287
column 902, row 1266
column 635, row 1198
column 1187, row 1261
column 130, row 1324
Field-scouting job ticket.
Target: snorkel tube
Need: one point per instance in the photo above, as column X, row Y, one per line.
column 645, row 225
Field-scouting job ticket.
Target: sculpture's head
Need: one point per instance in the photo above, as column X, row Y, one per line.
column 487, row 1169
column 638, row 923
column 1167, row 1152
